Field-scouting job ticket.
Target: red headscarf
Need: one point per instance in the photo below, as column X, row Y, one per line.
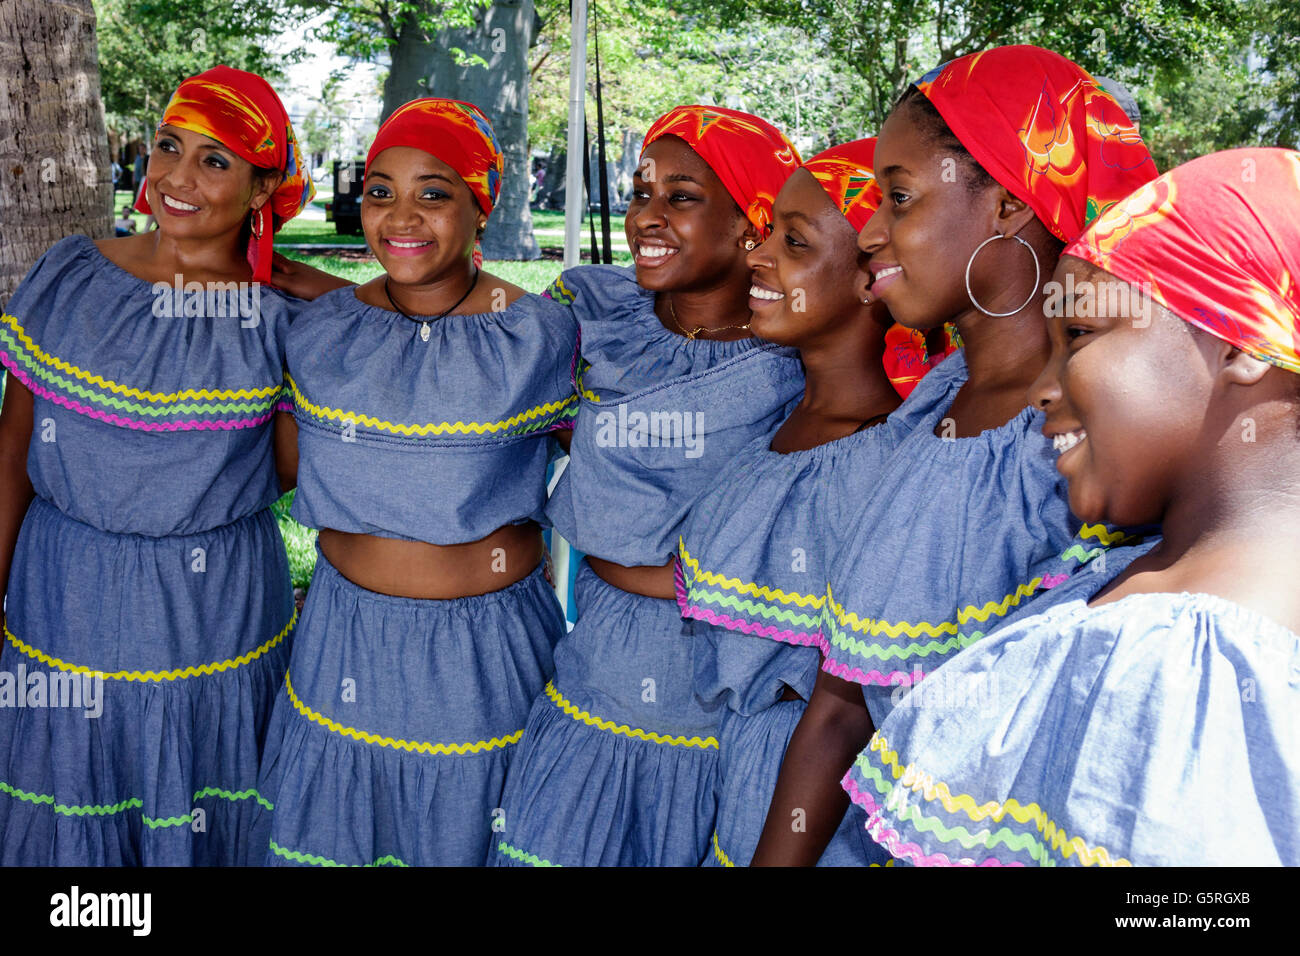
column 1043, row 129
column 242, row 113
column 847, row 173
column 1217, row 242
column 456, row 133
column 750, row 155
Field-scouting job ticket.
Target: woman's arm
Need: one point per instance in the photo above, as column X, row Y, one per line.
column 301, row 280
column 808, row 803
column 15, row 486
column 286, row 450
column 565, row 437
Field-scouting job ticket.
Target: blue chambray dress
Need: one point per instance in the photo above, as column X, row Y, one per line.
column 752, row 565
column 618, row 761
column 1156, row 730
column 949, row 537
column 148, row 570
column 399, row 716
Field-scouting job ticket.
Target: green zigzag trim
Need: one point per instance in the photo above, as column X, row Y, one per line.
column 155, row 824
column 1022, row 842
column 199, row 408
column 1077, row 551
column 233, row 795
column 516, row 854
column 93, row 810
column 858, row 648
column 314, row 860
column 768, row 611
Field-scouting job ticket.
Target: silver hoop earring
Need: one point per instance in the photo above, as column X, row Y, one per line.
column 1033, row 292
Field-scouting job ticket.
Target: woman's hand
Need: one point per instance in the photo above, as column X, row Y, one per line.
column 301, row 280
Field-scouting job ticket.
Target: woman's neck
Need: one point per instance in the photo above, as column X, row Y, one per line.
column 845, row 378
column 722, row 308
column 223, row 255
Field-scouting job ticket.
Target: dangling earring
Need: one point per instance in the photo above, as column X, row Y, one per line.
column 256, row 223
column 1032, row 293
column 750, row 245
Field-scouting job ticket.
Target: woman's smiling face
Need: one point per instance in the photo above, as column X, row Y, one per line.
column 684, row 229
column 809, row 274
column 198, row 188
column 418, row 215
column 929, row 223
column 1125, row 392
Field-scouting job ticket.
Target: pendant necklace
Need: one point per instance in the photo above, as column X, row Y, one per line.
column 424, row 322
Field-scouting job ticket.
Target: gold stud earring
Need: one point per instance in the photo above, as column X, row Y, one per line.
column 749, row 245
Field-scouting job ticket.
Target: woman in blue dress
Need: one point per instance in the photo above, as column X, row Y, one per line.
column 987, row 166
column 149, row 610
column 425, row 401
column 1153, row 721
column 618, row 761
column 751, row 554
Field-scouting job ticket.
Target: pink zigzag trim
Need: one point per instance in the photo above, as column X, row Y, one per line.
column 192, row 425
column 891, row 840
column 1052, row 580
column 859, row 676
column 798, row 638
column 744, row 625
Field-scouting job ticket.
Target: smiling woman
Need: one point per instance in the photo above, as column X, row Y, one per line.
column 618, row 762
column 164, row 577
column 425, row 401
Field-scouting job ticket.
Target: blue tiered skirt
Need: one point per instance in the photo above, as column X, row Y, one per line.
column 173, row 648
column 752, row 749
column 619, row 761
column 399, row 717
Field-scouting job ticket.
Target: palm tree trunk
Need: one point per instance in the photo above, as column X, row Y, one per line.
column 54, row 163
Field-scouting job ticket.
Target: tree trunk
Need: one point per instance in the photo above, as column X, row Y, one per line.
column 55, row 177
column 505, row 32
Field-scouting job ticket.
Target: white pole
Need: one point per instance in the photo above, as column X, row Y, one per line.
column 574, row 198
column 577, row 155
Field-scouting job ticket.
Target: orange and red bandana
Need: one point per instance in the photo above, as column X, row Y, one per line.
column 241, row 111
column 1042, row 128
column 456, row 133
column 1216, row 242
column 847, row 173
column 750, row 155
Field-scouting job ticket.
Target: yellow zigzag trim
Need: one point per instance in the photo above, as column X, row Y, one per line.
column 735, row 584
column 719, row 853
column 433, row 428
column 708, row 743
column 924, row 628
column 56, row 362
column 205, row 670
column 411, row 746
column 1099, row 532
column 1057, row 839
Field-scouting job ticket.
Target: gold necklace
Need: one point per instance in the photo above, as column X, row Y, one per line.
column 690, row 336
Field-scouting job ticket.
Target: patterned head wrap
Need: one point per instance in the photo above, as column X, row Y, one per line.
column 1043, row 129
column 1216, row 242
column 750, row 155
column 242, row 113
column 847, row 173
column 454, row 132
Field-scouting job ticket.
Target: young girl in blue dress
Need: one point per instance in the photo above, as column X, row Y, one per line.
column 1152, row 721
column 425, row 400
column 987, row 166
column 618, row 761
column 148, row 581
